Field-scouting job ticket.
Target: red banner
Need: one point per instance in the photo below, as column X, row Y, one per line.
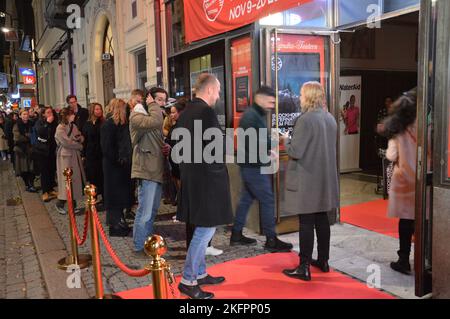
column 205, row 18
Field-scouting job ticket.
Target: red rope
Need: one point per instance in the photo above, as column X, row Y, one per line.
column 112, row 253
column 80, row 241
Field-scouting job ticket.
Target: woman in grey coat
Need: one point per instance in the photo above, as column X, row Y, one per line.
column 312, row 178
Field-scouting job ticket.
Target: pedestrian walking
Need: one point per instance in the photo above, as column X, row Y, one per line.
column 205, row 199
column 311, row 189
column 117, row 152
column 401, row 130
column 256, row 184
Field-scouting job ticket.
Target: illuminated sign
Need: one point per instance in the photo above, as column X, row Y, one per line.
column 29, row 79
column 27, row 72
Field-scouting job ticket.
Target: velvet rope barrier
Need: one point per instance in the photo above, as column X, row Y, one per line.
column 112, row 253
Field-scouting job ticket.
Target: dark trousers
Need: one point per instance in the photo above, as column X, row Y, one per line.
column 114, row 216
column 47, row 166
column 190, row 229
column 319, row 222
column 406, row 230
column 94, row 174
column 28, row 178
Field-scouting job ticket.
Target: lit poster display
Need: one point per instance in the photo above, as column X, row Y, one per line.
column 300, row 59
column 241, row 61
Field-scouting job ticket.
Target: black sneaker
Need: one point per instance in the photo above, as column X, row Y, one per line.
column 238, row 239
column 402, row 267
column 194, row 292
column 275, row 245
column 119, row 231
column 210, row 280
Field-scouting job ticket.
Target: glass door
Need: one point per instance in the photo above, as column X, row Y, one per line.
column 293, row 58
column 425, row 143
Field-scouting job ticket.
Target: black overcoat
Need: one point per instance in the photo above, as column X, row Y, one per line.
column 116, row 149
column 204, row 199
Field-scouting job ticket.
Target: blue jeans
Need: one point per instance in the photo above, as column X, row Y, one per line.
column 195, row 266
column 256, row 186
column 149, row 197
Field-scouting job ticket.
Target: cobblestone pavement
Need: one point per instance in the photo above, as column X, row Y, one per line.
column 20, row 274
column 115, row 280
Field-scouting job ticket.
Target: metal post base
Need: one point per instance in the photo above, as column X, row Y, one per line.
column 108, row 297
column 84, row 261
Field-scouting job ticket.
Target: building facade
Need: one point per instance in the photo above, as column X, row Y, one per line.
column 111, row 51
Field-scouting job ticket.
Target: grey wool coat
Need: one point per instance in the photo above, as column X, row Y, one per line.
column 69, row 156
column 312, row 184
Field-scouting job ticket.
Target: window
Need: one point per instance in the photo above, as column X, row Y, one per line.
column 351, row 11
column 134, row 9
column 394, row 5
column 312, row 14
column 141, row 68
column 108, row 44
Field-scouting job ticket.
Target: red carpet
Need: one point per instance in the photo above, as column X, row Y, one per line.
column 371, row 216
column 261, row 278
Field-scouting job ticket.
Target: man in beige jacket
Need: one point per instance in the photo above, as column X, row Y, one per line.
column 147, row 167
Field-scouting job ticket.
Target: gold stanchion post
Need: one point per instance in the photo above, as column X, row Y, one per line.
column 155, row 247
column 82, row 261
column 91, row 193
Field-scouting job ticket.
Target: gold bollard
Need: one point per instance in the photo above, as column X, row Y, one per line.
column 155, row 247
column 82, row 261
column 91, row 193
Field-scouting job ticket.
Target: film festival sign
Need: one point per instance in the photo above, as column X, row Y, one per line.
column 205, row 18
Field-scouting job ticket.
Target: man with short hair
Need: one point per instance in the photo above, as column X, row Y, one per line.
column 257, row 185
column 160, row 96
column 147, row 167
column 204, row 198
column 81, row 114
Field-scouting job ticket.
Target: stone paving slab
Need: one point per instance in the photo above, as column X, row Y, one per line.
column 20, row 274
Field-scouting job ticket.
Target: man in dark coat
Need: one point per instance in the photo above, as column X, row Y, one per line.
column 205, row 199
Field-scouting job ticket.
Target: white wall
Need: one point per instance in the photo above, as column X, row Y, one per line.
column 395, row 50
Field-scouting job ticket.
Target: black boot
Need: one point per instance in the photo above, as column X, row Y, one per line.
column 238, row 239
column 274, row 245
column 322, row 265
column 302, row 272
column 402, row 265
column 194, row 292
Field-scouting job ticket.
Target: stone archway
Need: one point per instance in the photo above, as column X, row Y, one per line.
column 102, row 59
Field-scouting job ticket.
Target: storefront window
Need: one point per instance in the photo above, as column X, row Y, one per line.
column 141, row 65
column 312, row 14
column 351, row 11
column 219, row 108
column 175, row 24
column 394, row 5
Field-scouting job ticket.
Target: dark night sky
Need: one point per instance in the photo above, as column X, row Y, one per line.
column 26, row 22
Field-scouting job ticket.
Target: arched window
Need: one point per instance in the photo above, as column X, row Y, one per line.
column 108, row 43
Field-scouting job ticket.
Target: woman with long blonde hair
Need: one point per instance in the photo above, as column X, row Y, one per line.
column 312, row 178
column 117, row 154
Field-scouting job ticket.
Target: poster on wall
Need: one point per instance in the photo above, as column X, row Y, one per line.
column 219, row 108
column 350, row 121
column 241, row 64
column 300, row 59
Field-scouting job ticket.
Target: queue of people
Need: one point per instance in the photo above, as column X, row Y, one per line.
column 130, row 144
